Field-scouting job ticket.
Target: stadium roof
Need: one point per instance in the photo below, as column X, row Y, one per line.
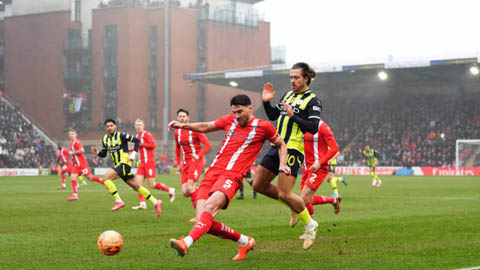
column 438, row 72
column 249, row 1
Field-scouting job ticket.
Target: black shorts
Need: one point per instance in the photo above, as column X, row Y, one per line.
column 332, row 167
column 124, row 171
column 271, row 161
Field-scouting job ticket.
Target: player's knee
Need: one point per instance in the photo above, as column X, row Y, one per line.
column 185, row 192
column 257, row 186
column 210, row 207
column 133, row 184
column 151, row 184
column 284, row 196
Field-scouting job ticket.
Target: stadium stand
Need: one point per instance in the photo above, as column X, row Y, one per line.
column 20, row 144
column 412, row 130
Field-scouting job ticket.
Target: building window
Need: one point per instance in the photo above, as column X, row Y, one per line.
column 78, row 10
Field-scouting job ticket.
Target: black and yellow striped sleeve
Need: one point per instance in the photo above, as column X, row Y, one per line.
column 127, row 137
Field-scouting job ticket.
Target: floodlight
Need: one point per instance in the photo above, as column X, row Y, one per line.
column 474, row 70
column 382, row 75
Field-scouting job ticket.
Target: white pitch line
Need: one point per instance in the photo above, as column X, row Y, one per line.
column 469, row 268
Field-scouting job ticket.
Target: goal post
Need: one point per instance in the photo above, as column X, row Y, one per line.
column 466, row 151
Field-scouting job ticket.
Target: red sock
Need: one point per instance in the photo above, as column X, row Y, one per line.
column 202, row 226
column 193, row 198
column 318, row 199
column 97, row 179
column 223, row 231
column 63, row 178
column 74, row 186
column 309, row 208
column 141, row 198
column 161, row 186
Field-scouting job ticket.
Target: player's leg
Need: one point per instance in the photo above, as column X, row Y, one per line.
column 262, row 183
column 373, row 175
column 250, row 182
column 94, row 178
column 240, row 197
column 112, row 189
column 193, row 172
column 202, row 196
column 130, row 179
column 152, row 183
column 73, row 179
column 223, row 192
column 81, row 180
column 376, row 176
column 205, row 220
column 332, row 180
column 285, row 187
column 149, row 172
column 62, row 176
column 139, row 178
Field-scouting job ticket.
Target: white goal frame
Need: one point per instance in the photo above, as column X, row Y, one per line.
column 457, row 150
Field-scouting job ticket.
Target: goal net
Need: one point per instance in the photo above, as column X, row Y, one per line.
column 467, row 154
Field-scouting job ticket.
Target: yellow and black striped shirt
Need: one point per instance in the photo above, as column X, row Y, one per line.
column 117, row 146
column 306, row 108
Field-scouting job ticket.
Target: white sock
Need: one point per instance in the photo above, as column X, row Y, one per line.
column 118, row 200
column 154, row 201
column 171, row 190
column 311, row 225
column 243, row 240
column 143, row 203
column 188, row 240
column 374, row 182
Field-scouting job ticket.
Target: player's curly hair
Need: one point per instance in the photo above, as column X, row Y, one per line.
column 307, row 71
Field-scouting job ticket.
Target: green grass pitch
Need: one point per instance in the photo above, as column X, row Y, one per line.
column 408, row 223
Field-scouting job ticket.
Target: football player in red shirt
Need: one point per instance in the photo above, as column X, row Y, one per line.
column 319, row 149
column 245, row 135
column 147, row 166
column 81, row 165
column 63, row 155
column 189, row 156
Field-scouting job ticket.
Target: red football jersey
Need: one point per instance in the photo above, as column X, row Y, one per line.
column 63, row 154
column 188, row 143
column 242, row 144
column 147, row 145
column 320, row 147
column 79, row 158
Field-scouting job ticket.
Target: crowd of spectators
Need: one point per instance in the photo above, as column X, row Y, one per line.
column 410, row 130
column 20, row 146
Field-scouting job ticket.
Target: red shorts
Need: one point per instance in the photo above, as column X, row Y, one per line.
column 222, row 180
column 192, row 170
column 146, row 169
column 67, row 168
column 82, row 170
column 314, row 179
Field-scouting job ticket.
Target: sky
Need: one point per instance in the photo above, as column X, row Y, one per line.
column 323, row 32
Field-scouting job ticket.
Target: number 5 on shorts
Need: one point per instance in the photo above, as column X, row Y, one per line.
column 228, row 184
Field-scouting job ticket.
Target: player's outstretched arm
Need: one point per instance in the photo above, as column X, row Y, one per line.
column 203, row 127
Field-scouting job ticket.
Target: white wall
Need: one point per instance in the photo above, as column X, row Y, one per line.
column 24, row 7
